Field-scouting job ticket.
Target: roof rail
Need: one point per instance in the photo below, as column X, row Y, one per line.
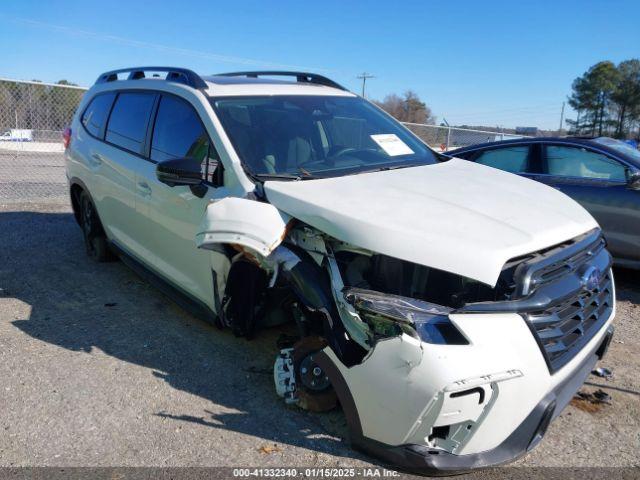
column 174, row 74
column 302, row 77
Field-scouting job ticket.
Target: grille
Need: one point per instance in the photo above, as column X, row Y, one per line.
column 565, row 327
column 564, row 293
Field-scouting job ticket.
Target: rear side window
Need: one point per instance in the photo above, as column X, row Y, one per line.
column 178, row 132
column 96, row 113
column 129, row 119
column 511, row 159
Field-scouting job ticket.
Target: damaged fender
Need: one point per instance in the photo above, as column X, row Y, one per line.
column 255, row 225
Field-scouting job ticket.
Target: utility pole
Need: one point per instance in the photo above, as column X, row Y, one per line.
column 363, row 76
column 561, row 119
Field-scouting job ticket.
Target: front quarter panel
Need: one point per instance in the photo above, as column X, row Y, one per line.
column 399, row 400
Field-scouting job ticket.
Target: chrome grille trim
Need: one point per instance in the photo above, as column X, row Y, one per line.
column 551, row 295
column 544, row 267
column 564, row 328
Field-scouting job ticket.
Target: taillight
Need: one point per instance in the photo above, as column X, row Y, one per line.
column 66, row 137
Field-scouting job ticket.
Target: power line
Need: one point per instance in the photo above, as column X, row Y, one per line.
column 363, row 76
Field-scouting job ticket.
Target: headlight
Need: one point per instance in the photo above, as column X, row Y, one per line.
column 390, row 315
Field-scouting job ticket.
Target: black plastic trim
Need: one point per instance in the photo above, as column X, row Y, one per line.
column 463, row 393
column 189, row 303
column 604, row 346
column 174, row 74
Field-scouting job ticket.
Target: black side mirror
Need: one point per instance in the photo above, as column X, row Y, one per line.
column 182, row 171
column 633, row 180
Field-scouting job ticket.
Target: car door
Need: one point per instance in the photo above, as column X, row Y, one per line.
column 598, row 182
column 174, row 214
column 120, row 157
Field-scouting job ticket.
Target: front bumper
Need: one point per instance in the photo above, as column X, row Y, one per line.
column 424, row 460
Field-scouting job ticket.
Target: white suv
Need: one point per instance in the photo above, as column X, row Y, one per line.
column 452, row 309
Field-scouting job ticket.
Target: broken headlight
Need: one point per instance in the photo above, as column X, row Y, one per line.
column 391, row 315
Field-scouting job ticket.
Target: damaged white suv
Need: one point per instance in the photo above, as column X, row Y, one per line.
column 451, row 309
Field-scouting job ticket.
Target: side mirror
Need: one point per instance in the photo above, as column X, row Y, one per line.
column 182, row 171
column 633, row 180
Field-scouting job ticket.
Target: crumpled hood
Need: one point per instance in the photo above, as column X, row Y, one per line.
column 456, row 216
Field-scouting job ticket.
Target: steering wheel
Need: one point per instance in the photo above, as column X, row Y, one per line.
column 338, row 151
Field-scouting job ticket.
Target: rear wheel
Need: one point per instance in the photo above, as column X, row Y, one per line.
column 95, row 240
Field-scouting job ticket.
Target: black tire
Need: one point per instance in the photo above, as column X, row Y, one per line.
column 95, row 240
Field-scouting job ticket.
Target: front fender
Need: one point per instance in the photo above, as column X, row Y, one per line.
column 256, row 225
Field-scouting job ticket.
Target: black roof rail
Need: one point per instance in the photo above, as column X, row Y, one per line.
column 302, row 77
column 174, row 74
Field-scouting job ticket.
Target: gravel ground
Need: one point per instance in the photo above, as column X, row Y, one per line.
column 99, row 369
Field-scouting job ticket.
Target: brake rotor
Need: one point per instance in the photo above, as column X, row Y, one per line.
column 315, row 392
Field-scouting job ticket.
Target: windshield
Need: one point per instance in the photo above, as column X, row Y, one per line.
column 300, row 136
column 620, row 146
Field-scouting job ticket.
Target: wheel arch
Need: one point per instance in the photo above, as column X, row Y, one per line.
column 76, row 187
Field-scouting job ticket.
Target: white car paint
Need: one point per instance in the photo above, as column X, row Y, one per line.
column 284, row 88
column 401, row 389
column 456, row 216
column 256, row 225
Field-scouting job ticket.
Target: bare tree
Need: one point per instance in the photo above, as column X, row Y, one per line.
column 408, row 108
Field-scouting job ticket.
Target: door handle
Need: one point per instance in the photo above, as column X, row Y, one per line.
column 144, row 189
column 96, row 159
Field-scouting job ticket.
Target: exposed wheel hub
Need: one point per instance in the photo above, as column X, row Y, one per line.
column 312, row 376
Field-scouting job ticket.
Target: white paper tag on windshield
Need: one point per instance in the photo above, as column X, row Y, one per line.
column 391, row 144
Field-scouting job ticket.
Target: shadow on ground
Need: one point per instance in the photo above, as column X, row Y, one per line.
column 627, row 284
column 80, row 306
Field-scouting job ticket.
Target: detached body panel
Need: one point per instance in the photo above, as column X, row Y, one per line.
column 255, row 225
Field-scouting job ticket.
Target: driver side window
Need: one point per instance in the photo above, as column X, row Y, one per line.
column 565, row 161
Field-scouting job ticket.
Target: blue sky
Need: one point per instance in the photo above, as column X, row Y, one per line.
column 490, row 63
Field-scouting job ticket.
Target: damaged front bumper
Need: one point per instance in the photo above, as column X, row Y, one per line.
column 421, row 457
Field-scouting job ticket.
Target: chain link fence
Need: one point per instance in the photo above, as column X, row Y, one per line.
column 443, row 138
column 33, row 116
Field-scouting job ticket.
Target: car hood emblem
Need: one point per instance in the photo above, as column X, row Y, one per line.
column 590, row 279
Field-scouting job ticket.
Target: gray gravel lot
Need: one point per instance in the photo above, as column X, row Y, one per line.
column 99, row 369
column 28, row 175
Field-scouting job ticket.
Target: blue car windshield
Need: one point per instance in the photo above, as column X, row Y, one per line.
column 302, row 136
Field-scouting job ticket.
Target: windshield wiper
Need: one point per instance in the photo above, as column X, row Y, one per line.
column 278, row 176
column 386, row 168
column 284, row 176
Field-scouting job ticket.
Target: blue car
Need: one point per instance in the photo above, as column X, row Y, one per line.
column 602, row 174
